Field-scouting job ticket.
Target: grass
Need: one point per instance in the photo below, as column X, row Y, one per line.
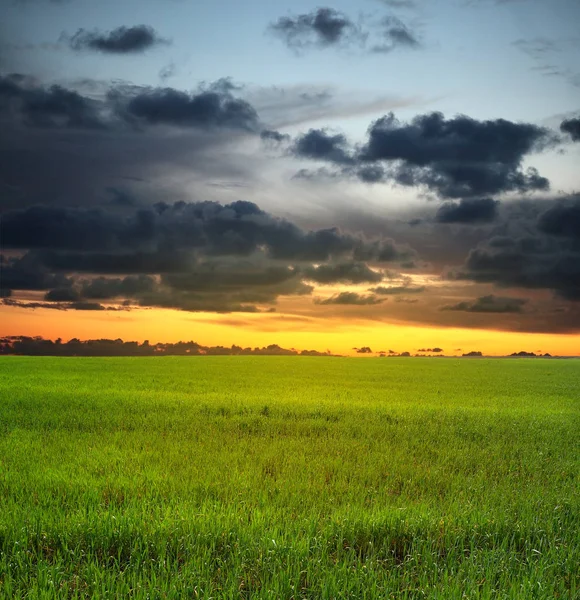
column 271, row 477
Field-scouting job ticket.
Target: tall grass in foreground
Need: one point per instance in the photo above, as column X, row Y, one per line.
column 269, row 477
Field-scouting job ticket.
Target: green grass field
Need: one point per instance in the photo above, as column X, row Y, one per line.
column 270, row 477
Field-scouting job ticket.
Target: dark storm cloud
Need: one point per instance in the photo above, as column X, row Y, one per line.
column 211, row 276
column 490, row 304
column 350, row 298
column 190, row 256
column 342, row 273
column 163, row 260
column 317, row 144
column 572, row 128
column 62, row 295
column 468, row 210
column 46, row 107
column 562, row 219
column 455, row 158
column 107, row 288
column 527, row 263
column 237, row 229
column 122, row 40
column 167, row 106
column 535, row 248
column 322, row 27
column 31, row 104
column 27, row 273
column 459, row 156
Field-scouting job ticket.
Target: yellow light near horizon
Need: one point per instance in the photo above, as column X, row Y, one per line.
column 339, row 335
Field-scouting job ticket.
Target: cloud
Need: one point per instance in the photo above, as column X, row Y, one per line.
column 408, row 4
column 562, row 219
column 572, row 128
column 53, row 107
column 30, row 104
column 468, row 210
column 85, row 306
column 122, row 40
column 349, row 298
column 191, row 256
column 270, row 135
column 167, row 106
column 538, row 249
column 62, row 295
column 323, row 27
column 317, row 144
column 326, row 27
column 27, row 273
column 396, row 290
column 395, row 34
column 144, row 234
column 107, row 288
column 342, row 273
column 459, row 157
column 490, row 304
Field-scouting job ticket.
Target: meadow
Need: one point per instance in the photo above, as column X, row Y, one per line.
column 289, row 477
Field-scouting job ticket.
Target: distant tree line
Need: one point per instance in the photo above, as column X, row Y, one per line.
column 38, row 346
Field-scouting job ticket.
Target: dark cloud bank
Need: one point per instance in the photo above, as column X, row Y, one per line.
column 192, row 256
column 204, row 256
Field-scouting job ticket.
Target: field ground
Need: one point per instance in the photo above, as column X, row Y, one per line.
column 271, row 477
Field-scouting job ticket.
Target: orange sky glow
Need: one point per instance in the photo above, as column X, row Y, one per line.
column 338, row 334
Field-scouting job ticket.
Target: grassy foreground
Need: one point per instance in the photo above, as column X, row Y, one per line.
column 270, row 477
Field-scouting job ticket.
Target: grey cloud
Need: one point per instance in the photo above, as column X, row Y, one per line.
column 317, row 144
column 27, row 273
column 92, row 306
column 397, row 290
column 52, row 107
column 459, row 156
column 490, row 304
column 107, row 288
column 468, row 210
column 455, row 158
column 270, row 135
column 322, row 27
column 350, row 298
column 167, row 106
column 122, row 40
column 34, row 105
column 342, row 273
column 395, row 34
column 191, row 256
column 572, row 128
column 326, row 27
column 62, row 295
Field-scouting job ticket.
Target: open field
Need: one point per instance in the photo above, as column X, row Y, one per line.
column 270, row 477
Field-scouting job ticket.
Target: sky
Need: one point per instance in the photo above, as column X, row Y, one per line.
column 400, row 175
